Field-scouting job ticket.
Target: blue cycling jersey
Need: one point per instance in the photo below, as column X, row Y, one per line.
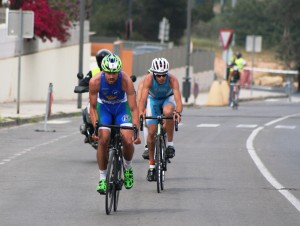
column 112, row 106
column 111, row 93
column 161, row 91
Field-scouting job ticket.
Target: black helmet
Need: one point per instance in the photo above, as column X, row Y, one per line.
column 100, row 55
column 238, row 55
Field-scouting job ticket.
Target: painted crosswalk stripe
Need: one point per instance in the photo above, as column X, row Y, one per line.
column 284, row 127
column 246, row 126
column 208, row 125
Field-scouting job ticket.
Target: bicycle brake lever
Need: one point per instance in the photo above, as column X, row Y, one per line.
column 176, row 125
column 96, row 128
column 141, row 123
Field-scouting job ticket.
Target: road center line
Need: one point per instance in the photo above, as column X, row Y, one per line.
column 263, row 169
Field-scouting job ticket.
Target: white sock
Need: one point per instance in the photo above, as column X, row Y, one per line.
column 127, row 164
column 102, row 174
column 170, row 143
column 145, row 132
column 151, row 166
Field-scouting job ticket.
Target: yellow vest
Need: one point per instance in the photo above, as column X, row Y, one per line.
column 95, row 71
column 240, row 63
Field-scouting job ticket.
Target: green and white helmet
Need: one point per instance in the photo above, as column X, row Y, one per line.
column 111, row 63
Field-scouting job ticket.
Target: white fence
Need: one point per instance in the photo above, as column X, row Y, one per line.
column 48, row 62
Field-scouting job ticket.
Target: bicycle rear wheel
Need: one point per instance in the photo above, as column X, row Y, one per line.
column 110, row 177
column 158, row 165
column 119, row 180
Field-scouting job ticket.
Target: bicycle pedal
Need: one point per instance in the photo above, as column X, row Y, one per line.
column 119, row 184
column 169, row 161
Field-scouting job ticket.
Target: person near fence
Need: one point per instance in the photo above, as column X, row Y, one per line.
column 113, row 101
column 160, row 94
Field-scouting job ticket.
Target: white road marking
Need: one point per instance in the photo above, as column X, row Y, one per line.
column 246, row 126
column 58, row 121
column 208, row 125
column 284, row 127
column 272, row 100
column 263, row 169
column 26, row 150
column 280, row 119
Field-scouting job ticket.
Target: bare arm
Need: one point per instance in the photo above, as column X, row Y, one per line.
column 139, row 91
column 144, row 93
column 127, row 86
column 177, row 94
column 94, row 87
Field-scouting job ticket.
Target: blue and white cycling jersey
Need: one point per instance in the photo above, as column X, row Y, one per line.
column 159, row 96
column 112, row 104
column 161, row 91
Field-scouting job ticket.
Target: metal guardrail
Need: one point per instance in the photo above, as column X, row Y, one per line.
column 200, row 60
column 289, row 74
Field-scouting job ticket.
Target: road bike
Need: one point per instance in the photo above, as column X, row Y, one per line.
column 235, row 95
column 160, row 156
column 115, row 166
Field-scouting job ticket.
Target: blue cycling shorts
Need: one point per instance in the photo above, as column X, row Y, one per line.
column 114, row 114
column 155, row 106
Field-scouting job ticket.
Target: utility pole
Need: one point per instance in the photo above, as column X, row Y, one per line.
column 81, row 32
column 129, row 20
column 186, row 83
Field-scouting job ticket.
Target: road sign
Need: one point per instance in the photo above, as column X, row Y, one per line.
column 164, row 29
column 26, row 27
column 253, row 43
column 226, row 37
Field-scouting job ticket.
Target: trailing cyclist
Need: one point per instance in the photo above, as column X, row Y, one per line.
column 236, row 70
column 162, row 95
column 113, row 101
column 233, row 79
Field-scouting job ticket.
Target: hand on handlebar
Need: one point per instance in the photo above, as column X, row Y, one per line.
column 177, row 116
column 95, row 134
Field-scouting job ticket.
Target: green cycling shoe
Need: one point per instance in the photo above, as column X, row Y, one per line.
column 128, row 178
column 101, row 188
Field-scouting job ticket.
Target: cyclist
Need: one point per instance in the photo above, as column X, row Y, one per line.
column 162, row 94
column 234, row 78
column 85, row 82
column 235, row 73
column 113, row 101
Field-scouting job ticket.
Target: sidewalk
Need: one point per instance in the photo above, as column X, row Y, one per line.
column 35, row 111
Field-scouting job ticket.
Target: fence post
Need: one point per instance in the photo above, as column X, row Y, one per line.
column 288, row 87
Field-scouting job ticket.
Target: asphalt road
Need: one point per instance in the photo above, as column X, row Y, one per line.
column 232, row 167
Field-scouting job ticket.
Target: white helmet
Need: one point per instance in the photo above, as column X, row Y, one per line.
column 160, row 65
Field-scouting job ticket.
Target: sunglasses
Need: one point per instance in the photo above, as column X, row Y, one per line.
column 163, row 75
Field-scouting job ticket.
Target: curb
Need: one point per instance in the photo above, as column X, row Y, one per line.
column 35, row 119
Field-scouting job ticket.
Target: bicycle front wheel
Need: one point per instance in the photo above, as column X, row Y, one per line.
column 158, row 165
column 118, row 179
column 110, row 185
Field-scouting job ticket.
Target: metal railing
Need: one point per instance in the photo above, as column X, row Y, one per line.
column 201, row 60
